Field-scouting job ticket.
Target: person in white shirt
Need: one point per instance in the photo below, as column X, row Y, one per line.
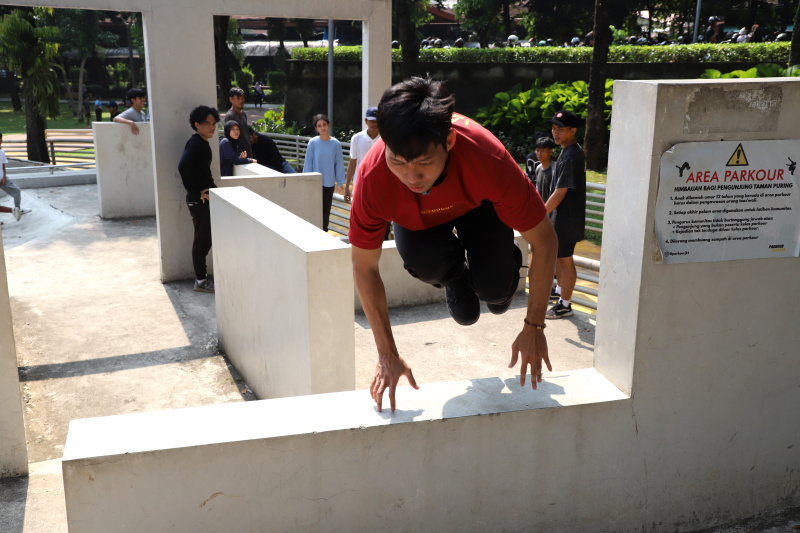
column 9, row 187
column 359, row 146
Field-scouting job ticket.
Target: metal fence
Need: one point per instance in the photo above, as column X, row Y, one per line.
column 66, row 148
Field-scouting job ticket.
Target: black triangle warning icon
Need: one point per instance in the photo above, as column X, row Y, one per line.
column 738, row 159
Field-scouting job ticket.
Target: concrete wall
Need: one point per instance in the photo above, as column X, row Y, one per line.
column 300, row 194
column 125, row 182
column 13, row 449
column 284, row 309
column 708, row 433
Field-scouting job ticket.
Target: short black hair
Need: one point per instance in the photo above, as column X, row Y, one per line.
column 318, row 117
column 413, row 114
column 235, row 91
column 1, row 134
column 200, row 113
column 250, row 130
column 136, row 93
column 545, row 142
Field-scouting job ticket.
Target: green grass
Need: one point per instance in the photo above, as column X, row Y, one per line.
column 14, row 123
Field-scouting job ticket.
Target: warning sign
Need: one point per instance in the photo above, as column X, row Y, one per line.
column 738, row 159
column 708, row 211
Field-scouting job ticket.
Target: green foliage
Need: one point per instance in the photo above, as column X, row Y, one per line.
column 515, row 115
column 235, row 40
column 763, row 70
column 686, row 53
column 244, row 79
column 479, row 16
column 119, row 73
column 30, row 48
column 273, row 122
column 277, row 84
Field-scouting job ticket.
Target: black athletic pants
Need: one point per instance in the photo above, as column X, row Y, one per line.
column 201, row 218
column 327, row 201
column 436, row 255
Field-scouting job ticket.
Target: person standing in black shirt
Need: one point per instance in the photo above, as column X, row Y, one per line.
column 195, row 171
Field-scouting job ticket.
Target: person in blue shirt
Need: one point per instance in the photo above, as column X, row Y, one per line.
column 229, row 153
column 324, row 155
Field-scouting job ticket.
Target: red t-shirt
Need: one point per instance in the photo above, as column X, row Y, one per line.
column 480, row 169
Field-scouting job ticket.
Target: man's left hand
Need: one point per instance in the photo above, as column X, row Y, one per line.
column 531, row 344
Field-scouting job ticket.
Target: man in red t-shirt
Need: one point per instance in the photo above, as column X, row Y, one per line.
column 434, row 171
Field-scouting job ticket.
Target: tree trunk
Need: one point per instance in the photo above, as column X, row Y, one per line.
column 129, row 40
column 221, row 56
column 68, row 85
column 596, row 130
column 81, row 90
column 409, row 44
column 506, row 18
column 34, row 130
column 11, row 79
column 794, row 51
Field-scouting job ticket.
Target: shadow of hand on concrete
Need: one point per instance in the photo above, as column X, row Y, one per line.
column 493, row 395
column 399, row 415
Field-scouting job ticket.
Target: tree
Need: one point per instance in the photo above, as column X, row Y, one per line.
column 594, row 141
column 78, row 30
column 481, row 17
column 407, row 16
column 560, row 20
column 29, row 47
column 305, row 28
column 794, row 51
column 226, row 62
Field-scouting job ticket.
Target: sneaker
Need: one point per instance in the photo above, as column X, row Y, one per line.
column 462, row 302
column 554, row 296
column 559, row 311
column 25, row 211
column 17, row 213
column 204, row 286
column 499, row 309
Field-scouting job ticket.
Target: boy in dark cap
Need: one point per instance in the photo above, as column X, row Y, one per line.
column 566, row 206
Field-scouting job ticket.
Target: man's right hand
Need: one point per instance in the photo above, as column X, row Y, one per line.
column 387, row 374
column 134, row 128
column 204, row 195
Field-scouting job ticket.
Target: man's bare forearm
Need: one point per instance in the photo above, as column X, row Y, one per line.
column 372, row 294
column 544, row 245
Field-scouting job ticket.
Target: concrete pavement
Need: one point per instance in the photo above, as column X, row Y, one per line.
column 98, row 334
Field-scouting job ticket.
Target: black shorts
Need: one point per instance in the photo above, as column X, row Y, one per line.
column 565, row 249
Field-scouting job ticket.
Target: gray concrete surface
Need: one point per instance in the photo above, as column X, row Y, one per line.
column 98, row 334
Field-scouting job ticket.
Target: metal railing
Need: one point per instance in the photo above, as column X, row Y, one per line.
column 293, row 149
column 66, row 148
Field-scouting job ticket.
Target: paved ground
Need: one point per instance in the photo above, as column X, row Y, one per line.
column 98, row 334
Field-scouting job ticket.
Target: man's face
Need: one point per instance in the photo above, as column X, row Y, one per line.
column 237, row 101
column 138, row 103
column 372, row 127
column 563, row 134
column 253, row 138
column 207, row 128
column 544, row 153
column 421, row 173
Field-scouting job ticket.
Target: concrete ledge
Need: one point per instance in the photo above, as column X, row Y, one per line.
column 283, row 295
column 59, row 178
column 300, row 194
column 331, row 463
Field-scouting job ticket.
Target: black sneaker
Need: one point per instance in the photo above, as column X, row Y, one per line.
column 554, row 296
column 500, row 308
column 462, row 302
column 559, row 311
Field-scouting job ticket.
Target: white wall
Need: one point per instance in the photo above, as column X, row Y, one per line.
column 708, row 434
column 284, row 296
column 13, row 450
column 125, row 182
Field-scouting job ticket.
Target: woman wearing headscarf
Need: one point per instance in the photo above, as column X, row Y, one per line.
column 228, row 150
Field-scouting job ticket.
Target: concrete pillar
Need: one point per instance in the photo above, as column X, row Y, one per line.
column 13, row 449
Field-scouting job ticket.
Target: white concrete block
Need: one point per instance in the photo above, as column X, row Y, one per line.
column 13, row 449
column 125, row 182
column 300, row 194
column 478, row 455
column 284, row 293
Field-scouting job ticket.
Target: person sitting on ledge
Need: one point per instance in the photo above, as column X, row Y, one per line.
column 431, row 172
